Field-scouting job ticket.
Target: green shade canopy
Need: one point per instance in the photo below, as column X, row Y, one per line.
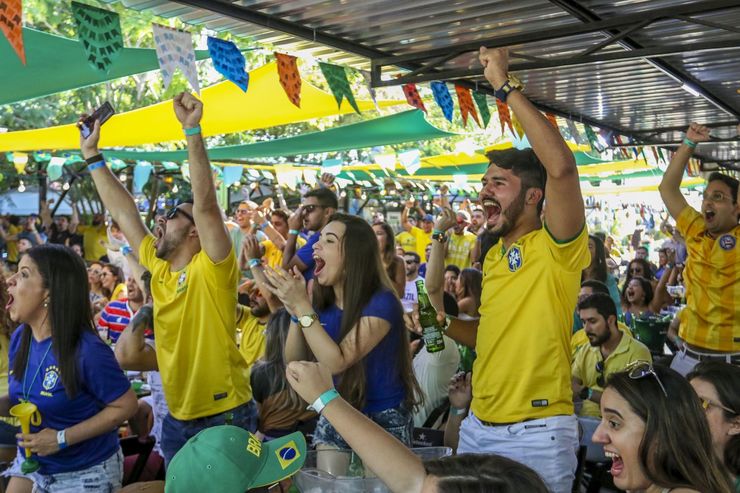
column 56, row 64
column 409, row 126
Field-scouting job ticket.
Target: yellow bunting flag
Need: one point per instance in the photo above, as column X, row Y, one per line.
column 412, row 96
column 290, row 78
column 504, row 116
column 518, row 129
column 467, row 107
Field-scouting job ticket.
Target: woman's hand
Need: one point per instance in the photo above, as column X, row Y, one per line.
column 251, row 247
column 295, row 221
column 42, row 443
column 460, row 390
column 290, row 288
column 309, row 379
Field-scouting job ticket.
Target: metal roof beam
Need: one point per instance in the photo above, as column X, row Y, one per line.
column 663, row 130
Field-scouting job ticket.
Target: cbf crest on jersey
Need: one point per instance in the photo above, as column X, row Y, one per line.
column 51, row 376
column 182, row 281
column 514, row 258
column 727, row 242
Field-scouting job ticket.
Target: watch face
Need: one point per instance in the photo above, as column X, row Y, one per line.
column 306, row 320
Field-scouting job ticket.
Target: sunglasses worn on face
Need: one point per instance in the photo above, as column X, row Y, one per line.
column 707, row 403
column 409, row 262
column 641, row 369
column 172, row 213
column 308, row 209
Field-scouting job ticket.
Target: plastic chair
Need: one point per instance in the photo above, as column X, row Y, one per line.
column 131, row 446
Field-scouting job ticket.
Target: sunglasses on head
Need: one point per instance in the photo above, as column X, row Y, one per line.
column 641, row 369
column 172, row 213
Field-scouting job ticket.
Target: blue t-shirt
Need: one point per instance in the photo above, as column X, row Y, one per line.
column 305, row 253
column 384, row 388
column 101, row 382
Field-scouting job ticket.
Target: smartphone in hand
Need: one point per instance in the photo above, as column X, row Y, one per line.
column 103, row 114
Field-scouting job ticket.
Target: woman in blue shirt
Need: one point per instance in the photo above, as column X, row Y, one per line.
column 58, row 363
column 354, row 327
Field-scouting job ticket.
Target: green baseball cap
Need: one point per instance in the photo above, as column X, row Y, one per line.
column 233, row 459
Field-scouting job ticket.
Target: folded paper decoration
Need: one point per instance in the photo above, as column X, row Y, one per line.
column 467, row 107
column 504, row 116
column 481, row 100
column 99, row 31
column 412, row 97
column 290, row 78
column 442, row 96
column 11, row 22
column 175, row 50
column 336, row 77
column 229, row 61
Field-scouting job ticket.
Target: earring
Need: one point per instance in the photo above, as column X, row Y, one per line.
column 46, row 303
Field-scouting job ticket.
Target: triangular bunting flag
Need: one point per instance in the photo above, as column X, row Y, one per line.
column 99, row 31
column 504, row 116
column 410, row 160
column 369, row 83
column 655, row 153
column 481, row 100
column 229, row 61
column 11, row 22
column 290, row 78
column 142, row 172
column 175, row 50
column 467, row 107
column 518, row 129
column 591, row 136
column 336, row 77
column 573, row 130
column 412, row 96
column 232, row 174
column 54, row 168
column 443, row 99
column 551, row 118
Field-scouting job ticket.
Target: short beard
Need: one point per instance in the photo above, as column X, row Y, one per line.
column 167, row 246
column 510, row 215
column 601, row 340
column 260, row 311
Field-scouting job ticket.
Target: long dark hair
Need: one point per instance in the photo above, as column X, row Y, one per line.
column 389, row 254
column 473, row 473
column 117, row 273
column 472, row 281
column 676, row 450
column 63, row 273
column 364, row 277
column 726, row 381
column 597, row 270
column 647, row 288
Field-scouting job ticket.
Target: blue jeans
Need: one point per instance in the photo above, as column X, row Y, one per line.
column 175, row 432
column 397, row 421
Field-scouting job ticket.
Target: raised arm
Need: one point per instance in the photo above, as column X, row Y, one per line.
column 436, row 266
column 116, row 198
column 565, row 213
column 670, row 185
column 290, row 259
column 214, row 238
column 132, row 351
column 405, row 215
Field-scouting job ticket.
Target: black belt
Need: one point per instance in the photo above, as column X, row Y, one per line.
column 734, row 358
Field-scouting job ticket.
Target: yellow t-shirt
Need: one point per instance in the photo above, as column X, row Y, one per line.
column 202, row 371
column 12, row 245
column 579, row 337
column 529, row 293
column 119, row 292
column 407, row 241
column 628, row 350
column 273, row 255
column 250, row 335
column 459, row 248
column 422, row 240
column 91, row 238
column 711, row 319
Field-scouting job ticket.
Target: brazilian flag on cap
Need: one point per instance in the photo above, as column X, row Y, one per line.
column 233, row 459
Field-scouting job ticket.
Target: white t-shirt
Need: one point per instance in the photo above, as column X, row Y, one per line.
column 433, row 372
column 409, row 296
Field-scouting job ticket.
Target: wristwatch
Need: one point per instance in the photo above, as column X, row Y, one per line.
column 585, row 393
column 511, row 84
column 440, row 236
column 305, row 321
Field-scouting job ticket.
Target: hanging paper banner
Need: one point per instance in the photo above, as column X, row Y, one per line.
column 336, row 77
column 309, row 176
column 591, row 136
column 11, row 22
column 573, row 130
column 386, row 161
column 517, row 125
column 290, row 78
column 412, row 97
column 443, row 99
column 55, row 167
column 99, row 31
column 618, row 139
column 229, row 61
column 332, row 166
column 287, row 175
column 142, row 172
column 175, row 50
column 232, row 174
column 116, row 164
column 369, row 83
column 20, row 160
column 467, row 107
column 481, row 100
column 553, row 121
column 410, row 160
column 504, row 116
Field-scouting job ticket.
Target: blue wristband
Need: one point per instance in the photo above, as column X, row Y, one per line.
column 294, row 319
column 192, row 131
column 126, row 250
column 264, row 225
column 97, row 164
column 254, row 262
column 323, row 400
column 294, row 232
column 689, row 143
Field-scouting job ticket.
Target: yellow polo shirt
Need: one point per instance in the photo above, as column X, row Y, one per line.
column 579, row 337
column 91, row 238
column 711, row 319
column 628, row 350
column 524, row 361
column 203, row 372
column 459, row 248
column 422, row 240
column 250, row 335
column 407, row 241
column 273, row 255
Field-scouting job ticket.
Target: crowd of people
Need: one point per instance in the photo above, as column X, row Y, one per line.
column 556, row 338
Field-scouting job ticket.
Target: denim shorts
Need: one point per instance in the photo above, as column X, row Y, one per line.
column 397, row 421
column 105, row 477
column 176, row 433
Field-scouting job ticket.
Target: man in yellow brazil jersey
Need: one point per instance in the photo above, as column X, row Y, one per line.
column 710, row 322
column 522, row 405
column 194, row 277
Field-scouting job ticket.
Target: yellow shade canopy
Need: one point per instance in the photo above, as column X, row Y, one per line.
column 227, row 109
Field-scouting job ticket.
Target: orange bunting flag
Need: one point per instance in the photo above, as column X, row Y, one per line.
column 694, row 167
column 504, row 116
column 467, row 107
column 412, row 96
column 290, row 78
column 518, row 129
column 551, row 118
column 11, row 22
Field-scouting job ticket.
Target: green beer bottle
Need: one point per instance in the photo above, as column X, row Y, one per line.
column 430, row 329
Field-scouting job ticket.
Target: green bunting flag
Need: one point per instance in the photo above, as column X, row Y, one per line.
column 591, row 136
column 482, row 103
column 99, row 31
column 336, row 77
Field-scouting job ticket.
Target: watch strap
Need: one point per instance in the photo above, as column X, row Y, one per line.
column 503, row 92
column 313, row 316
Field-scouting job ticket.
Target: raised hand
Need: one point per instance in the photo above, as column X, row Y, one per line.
column 308, row 379
column 327, row 180
column 295, row 221
column 89, row 145
column 495, row 64
column 447, row 219
column 251, row 247
column 290, row 288
column 188, row 109
column 698, row 133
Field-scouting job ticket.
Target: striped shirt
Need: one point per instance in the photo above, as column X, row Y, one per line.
column 115, row 317
column 712, row 278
